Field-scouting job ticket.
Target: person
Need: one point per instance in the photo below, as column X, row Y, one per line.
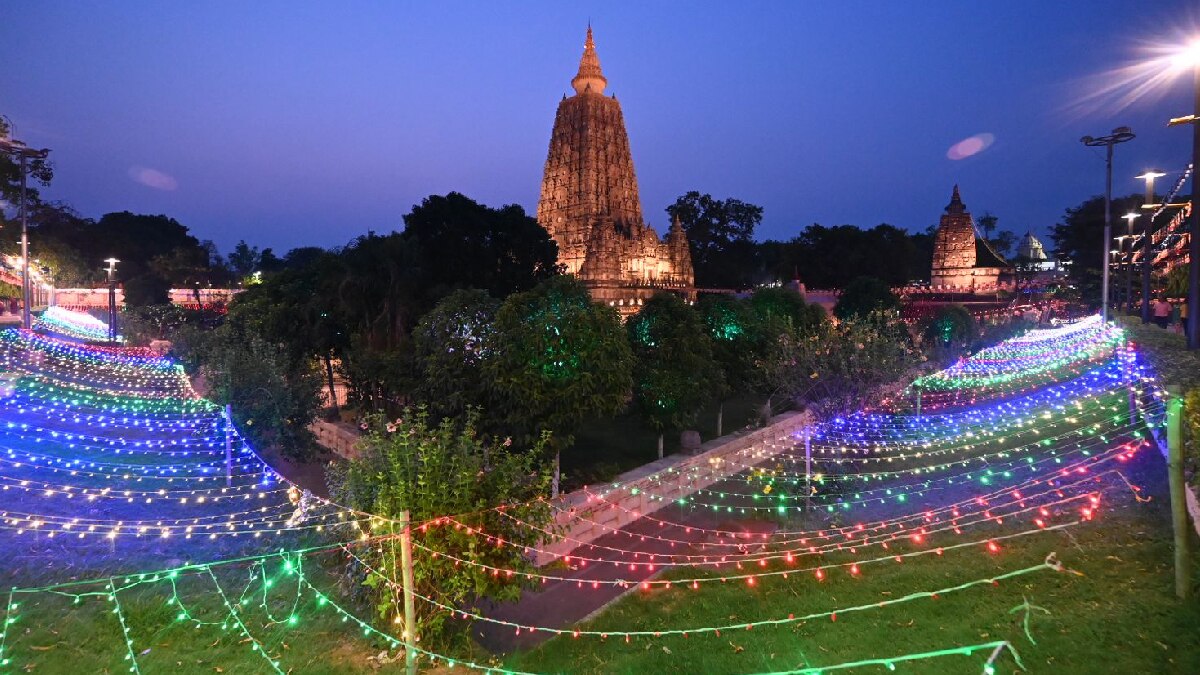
column 1183, row 314
column 1162, row 311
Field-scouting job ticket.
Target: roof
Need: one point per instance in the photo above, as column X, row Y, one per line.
column 986, row 256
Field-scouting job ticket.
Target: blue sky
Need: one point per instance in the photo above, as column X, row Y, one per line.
column 298, row 123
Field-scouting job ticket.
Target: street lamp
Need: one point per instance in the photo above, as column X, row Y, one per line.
column 25, row 153
column 112, row 298
column 1118, row 135
column 1129, row 218
column 1147, row 231
column 1189, row 57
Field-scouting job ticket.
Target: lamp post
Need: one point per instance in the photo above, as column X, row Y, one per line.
column 1147, row 233
column 25, row 154
column 112, row 298
column 1190, row 57
column 1118, row 135
column 1129, row 218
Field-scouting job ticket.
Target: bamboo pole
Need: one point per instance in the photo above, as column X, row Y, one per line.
column 1179, row 514
column 410, row 611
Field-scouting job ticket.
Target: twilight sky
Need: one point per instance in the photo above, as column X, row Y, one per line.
column 303, row 123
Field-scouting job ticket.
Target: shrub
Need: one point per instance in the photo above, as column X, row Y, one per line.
column 431, row 471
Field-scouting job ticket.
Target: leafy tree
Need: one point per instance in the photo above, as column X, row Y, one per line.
column 1176, row 285
column 737, row 336
column 40, row 172
column 721, row 237
column 1079, row 239
column 840, row 367
column 451, row 344
column 244, row 259
column 987, row 224
column 464, row 244
column 146, row 289
column 559, row 358
column 785, row 304
column 272, row 403
column 831, row 257
column 298, row 309
column 430, row 470
column 674, row 373
column 863, row 296
column 950, row 331
column 1004, row 242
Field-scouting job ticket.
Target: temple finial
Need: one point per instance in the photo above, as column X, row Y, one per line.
column 956, row 205
column 589, row 79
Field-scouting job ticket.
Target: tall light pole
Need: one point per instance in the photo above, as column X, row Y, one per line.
column 1118, row 135
column 1147, row 232
column 1129, row 218
column 24, row 153
column 1190, row 56
column 112, row 298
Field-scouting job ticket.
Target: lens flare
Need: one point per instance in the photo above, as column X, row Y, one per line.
column 970, row 146
column 1157, row 67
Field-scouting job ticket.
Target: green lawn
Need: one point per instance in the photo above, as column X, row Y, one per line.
column 1119, row 616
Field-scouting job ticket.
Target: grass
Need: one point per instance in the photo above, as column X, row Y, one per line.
column 1119, row 615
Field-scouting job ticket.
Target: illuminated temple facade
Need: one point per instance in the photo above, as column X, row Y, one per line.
column 961, row 260
column 590, row 205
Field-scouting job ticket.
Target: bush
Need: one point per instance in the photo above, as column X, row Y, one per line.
column 949, row 332
column 430, row 471
column 864, row 295
column 271, row 404
column 147, row 289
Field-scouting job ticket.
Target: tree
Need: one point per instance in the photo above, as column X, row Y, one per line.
column 40, row 172
column 864, row 295
column 737, row 337
column 147, row 289
column 1004, row 242
column 950, row 331
column 431, row 470
column 987, row 224
column 785, row 304
column 451, row 343
column 464, row 244
column 674, row 373
column 841, row 367
column 831, row 257
column 721, row 237
column 559, row 358
column 1079, row 239
column 244, row 259
column 272, row 402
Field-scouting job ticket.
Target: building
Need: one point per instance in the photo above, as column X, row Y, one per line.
column 961, row 260
column 590, row 205
column 1030, row 249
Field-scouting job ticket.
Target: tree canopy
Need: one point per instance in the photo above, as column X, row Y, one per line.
column 721, row 236
column 674, row 372
column 559, row 359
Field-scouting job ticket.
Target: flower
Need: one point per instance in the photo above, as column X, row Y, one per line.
column 363, row 426
column 507, row 442
column 391, row 428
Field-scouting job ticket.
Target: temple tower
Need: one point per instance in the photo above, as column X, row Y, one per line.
column 589, row 201
column 960, row 260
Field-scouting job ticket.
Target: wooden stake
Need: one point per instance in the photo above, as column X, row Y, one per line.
column 1179, row 514
column 410, row 611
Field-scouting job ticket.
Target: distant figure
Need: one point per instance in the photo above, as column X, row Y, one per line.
column 1162, row 312
column 1183, row 316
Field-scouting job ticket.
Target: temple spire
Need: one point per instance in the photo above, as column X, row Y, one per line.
column 589, row 79
column 956, row 205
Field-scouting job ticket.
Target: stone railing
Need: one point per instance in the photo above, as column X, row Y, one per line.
column 590, row 513
column 341, row 439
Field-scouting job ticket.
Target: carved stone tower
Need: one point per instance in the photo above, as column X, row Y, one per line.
column 960, row 260
column 590, row 205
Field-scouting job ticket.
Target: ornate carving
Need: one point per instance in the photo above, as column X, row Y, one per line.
column 589, row 201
